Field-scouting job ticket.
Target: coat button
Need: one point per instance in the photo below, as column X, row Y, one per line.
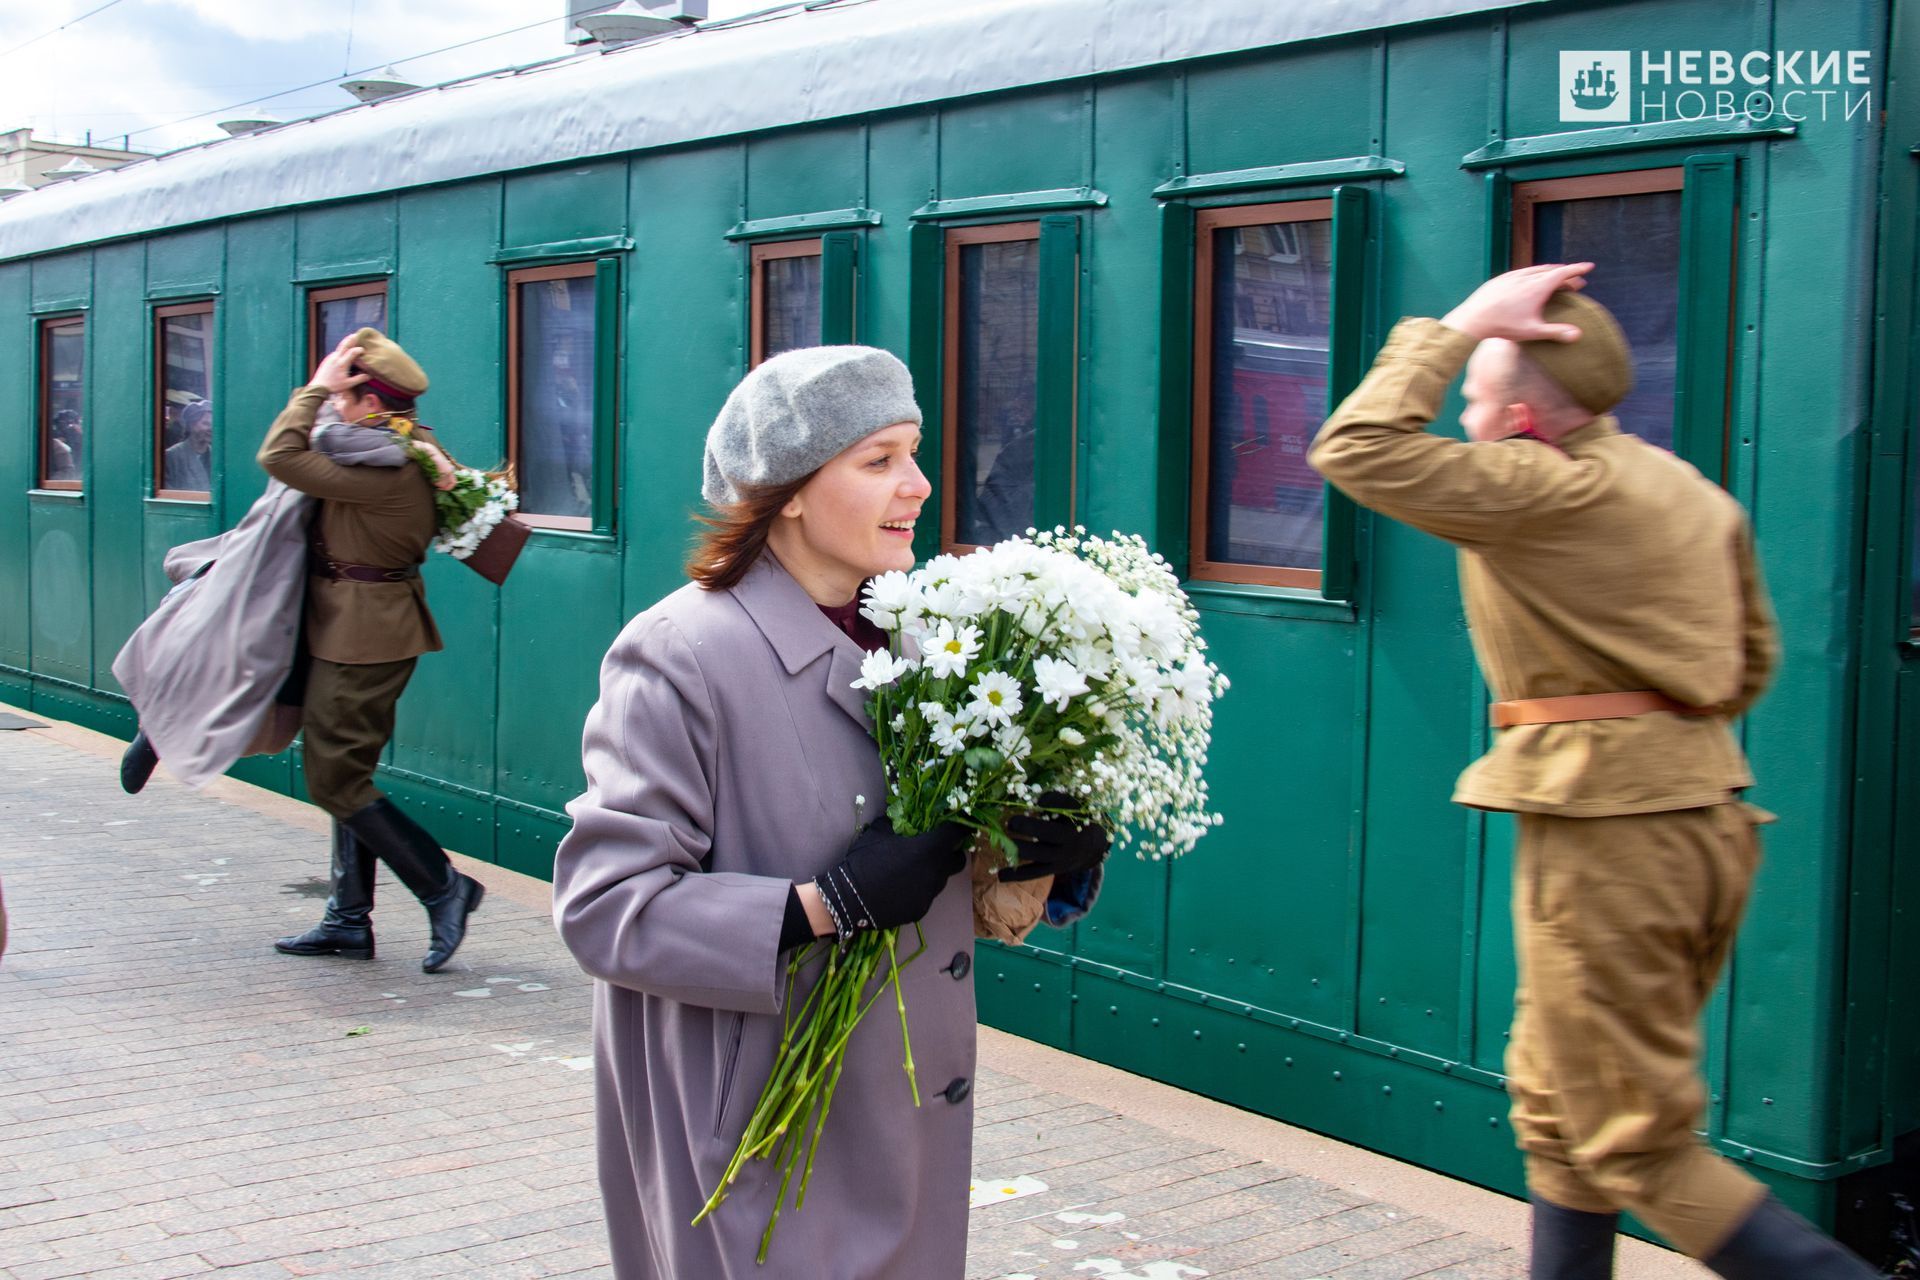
column 962, row 962
column 957, row 1091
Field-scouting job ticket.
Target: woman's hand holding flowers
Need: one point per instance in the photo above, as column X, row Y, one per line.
column 888, row 880
column 1052, row 845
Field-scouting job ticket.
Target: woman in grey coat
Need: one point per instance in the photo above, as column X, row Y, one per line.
column 734, row 810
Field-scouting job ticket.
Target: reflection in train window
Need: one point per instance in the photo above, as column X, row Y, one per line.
column 1628, row 225
column 1263, row 315
column 183, row 401
column 63, row 401
column 335, row 312
column 993, row 363
column 550, row 398
column 785, row 297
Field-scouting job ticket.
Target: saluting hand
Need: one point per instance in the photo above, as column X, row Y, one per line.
column 335, row 372
column 1509, row 305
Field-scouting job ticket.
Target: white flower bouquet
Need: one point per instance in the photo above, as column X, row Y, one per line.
column 474, row 509
column 1055, row 663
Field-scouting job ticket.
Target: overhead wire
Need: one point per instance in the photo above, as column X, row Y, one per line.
column 57, row 30
column 269, row 97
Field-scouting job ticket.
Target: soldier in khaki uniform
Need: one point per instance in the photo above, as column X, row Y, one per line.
column 1619, row 615
column 366, row 624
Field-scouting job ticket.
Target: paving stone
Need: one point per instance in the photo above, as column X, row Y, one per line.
column 195, row 1105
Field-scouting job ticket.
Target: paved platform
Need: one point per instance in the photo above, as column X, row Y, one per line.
column 178, row 1100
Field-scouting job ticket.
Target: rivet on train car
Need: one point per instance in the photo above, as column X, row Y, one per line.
column 1338, row 1076
column 1387, row 1089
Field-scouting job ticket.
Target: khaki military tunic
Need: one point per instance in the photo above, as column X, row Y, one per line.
column 1598, row 565
column 380, row 516
column 363, row 637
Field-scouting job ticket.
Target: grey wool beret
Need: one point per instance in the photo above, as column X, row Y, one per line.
column 796, row 411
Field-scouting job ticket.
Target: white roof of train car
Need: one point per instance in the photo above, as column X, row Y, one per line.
column 800, row 64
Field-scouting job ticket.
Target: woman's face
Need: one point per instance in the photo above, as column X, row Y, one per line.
column 855, row 517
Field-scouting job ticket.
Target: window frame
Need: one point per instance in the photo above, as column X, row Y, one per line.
column 317, row 295
column 604, row 273
column 43, row 385
column 161, row 314
column 954, row 240
column 759, row 253
column 1206, row 221
column 1707, row 284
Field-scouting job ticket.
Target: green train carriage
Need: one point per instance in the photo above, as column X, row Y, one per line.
column 1130, row 250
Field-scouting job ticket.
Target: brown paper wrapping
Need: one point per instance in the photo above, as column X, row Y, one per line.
column 1001, row 911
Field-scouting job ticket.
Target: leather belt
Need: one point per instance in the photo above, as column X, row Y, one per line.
column 346, row 571
column 1587, row 706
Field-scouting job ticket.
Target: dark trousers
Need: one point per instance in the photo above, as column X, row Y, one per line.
column 347, row 722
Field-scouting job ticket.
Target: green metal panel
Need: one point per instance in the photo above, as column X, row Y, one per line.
column 926, row 360
column 345, row 241
column 606, row 391
column 1232, row 121
column 1035, row 141
column 16, row 470
column 1059, row 375
column 62, row 283
column 802, row 169
column 450, row 314
column 839, row 286
column 1347, row 360
column 186, row 263
column 61, row 562
column 686, row 326
column 900, row 175
column 1709, row 209
column 122, row 459
column 565, row 204
column 1174, row 437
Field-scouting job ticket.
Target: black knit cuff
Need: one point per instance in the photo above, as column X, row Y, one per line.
column 795, row 929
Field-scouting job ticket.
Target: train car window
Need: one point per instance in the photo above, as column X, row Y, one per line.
column 335, row 312
column 63, row 402
column 1628, row 224
column 551, row 370
column 785, row 296
column 992, row 374
column 183, row 401
column 1262, row 331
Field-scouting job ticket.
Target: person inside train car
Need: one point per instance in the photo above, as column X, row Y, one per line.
column 1619, row 615
column 730, row 770
column 187, row 464
column 366, row 624
column 63, row 446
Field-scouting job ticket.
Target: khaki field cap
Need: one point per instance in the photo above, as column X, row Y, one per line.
column 388, row 368
column 1597, row 369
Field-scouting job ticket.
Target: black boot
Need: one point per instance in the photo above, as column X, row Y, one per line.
column 137, row 763
column 1775, row 1243
column 347, row 927
column 422, row 865
column 1571, row 1245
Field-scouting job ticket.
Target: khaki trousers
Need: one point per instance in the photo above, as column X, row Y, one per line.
column 1621, row 926
column 345, row 726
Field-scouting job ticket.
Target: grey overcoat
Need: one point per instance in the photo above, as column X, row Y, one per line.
column 725, row 760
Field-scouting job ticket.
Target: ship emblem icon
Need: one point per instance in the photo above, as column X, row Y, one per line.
column 1593, row 85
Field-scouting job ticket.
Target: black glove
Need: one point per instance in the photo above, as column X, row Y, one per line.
column 888, row 880
column 1051, row 845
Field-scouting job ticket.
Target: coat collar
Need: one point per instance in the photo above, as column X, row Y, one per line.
column 800, row 634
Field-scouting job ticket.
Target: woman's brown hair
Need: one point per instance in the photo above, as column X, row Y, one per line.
column 736, row 533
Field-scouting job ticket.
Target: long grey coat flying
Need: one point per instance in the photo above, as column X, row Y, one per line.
column 726, row 759
column 204, row 667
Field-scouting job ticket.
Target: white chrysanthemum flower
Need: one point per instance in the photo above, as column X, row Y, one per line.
column 889, row 597
column 996, row 698
column 1058, row 680
column 1070, row 735
column 947, row 650
column 881, row 668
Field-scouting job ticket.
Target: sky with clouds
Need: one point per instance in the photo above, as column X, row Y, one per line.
column 143, row 67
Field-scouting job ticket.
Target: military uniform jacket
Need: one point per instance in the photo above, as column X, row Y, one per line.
column 380, row 516
column 1598, row 565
